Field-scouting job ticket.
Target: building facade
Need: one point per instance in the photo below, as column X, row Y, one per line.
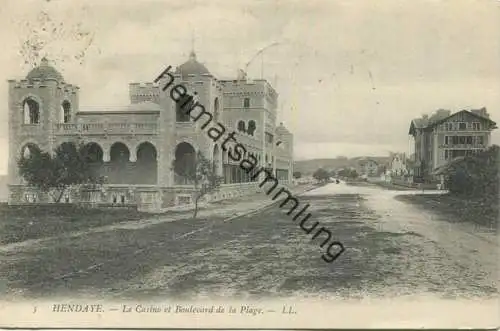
column 139, row 149
column 443, row 136
column 398, row 165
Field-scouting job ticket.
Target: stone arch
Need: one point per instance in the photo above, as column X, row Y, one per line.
column 146, row 165
column 187, row 139
column 31, row 110
column 103, row 144
column 184, row 163
column 119, row 151
column 66, row 111
column 119, row 167
column 28, row 148
column 66, row 147
column 94, row 152
column 94, row 155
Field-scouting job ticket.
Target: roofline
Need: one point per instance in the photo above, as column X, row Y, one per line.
column 431, row 125
column 458, row 112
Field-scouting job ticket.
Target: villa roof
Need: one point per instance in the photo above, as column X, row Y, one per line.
column 428, row 122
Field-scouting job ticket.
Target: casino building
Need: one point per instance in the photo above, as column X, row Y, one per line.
column 139, row 148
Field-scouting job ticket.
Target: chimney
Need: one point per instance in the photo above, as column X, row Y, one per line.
column 481, row 112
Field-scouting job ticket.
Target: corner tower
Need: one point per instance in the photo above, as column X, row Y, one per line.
column 39, row 106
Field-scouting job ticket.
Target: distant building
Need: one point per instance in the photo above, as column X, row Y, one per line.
column 368, row 167
column 443, row 136
column 398, row 165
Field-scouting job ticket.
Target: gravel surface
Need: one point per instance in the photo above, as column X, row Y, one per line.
column 392, row 249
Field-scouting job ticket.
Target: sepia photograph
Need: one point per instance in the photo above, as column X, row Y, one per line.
column 249, row 164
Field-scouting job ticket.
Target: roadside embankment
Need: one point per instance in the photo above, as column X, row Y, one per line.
column 478, row 211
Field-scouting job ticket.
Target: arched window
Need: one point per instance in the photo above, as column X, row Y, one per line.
column 28, row 150
column 251, row 127
column 31, row 111
column 182, row 108
column 241, row 126
column 66, row 110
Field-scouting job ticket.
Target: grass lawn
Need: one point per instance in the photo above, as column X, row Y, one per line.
column 33, row 222
column 473, row 210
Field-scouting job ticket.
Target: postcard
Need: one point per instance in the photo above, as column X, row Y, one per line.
column 249, row 164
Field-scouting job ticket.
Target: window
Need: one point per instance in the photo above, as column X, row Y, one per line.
column 449, row 126
column 446, row 156
column 462, row 140
column 469, row 140
column 31, row 111
column 480, row 140
column 30, row 197
column 184, row 200
column 216, row 109
column 246, row 103
column 446, row 140
column 66, row 108
column 476, row 126
column 251, row 127
column 269, row 138
column 462, row 126
column 455, row 140
column 241, row 126
column 181, row 106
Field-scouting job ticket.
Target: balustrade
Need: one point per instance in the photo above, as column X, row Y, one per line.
column 107, row 128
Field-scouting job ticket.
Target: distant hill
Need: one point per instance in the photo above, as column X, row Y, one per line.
column 307, row 167
column 3, row 188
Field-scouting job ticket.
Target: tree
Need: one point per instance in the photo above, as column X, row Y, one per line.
column 475, row 176
column 69, row 165
column 203, row 174
column 297, row 174
column 348, row 173
column 321, row 175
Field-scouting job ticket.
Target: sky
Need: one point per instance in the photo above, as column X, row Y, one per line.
column 351, row 75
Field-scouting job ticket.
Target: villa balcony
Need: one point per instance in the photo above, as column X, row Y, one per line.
column 463, row 146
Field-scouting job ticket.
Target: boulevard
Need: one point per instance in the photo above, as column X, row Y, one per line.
column 392, row 249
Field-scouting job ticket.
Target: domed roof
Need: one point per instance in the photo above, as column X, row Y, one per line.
column 192, row 67
column 44, row 71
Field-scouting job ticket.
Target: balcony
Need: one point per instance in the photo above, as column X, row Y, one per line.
column 146, row 128
column 463, row 146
